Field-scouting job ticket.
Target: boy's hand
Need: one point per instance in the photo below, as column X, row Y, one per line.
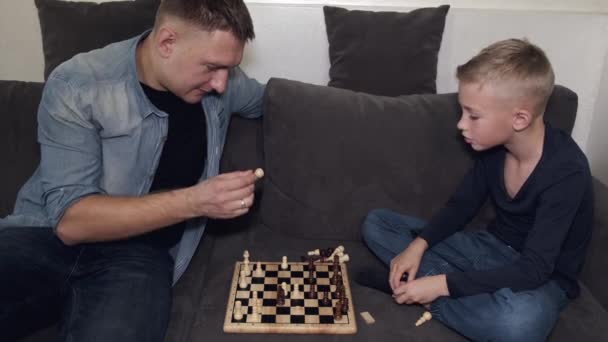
column 422, row 290
column 408, row 262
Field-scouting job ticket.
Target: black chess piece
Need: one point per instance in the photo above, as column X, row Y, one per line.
column 312, row 292
column 345, row 305
column 280, row 296
column 326, row 301
column 338, row 311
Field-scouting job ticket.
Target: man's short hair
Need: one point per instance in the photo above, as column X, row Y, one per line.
column 516, row 62
column 211, row 15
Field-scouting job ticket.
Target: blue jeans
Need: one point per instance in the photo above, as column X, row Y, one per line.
column 115, row 291
column 500, row 316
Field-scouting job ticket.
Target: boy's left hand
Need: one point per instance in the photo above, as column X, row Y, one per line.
column 422, row 290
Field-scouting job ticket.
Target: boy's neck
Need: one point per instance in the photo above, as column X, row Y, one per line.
column 527, row 146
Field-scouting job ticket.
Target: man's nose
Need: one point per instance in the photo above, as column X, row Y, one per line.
column 219, row 80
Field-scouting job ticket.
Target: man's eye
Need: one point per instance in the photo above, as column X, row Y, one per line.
column 473, row 117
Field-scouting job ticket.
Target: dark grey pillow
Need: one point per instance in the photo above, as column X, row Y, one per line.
column 364, row 152
column 384, row 53
column 19, row 149
column 69, row 28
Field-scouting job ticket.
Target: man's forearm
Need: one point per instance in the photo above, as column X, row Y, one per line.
column 106, row 218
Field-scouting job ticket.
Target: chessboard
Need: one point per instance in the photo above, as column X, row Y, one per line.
column 295, row 313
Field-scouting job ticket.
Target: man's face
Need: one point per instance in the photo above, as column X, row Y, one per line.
column 487, row 117
column 198, row 62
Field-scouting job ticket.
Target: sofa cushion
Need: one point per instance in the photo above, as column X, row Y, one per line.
column 384, row 53
column 69, row 28
column 332, row 155
column 18, row 146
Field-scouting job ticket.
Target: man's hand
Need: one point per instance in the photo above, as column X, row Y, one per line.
column 408, row 262
column 422, row 290
column 225, row 196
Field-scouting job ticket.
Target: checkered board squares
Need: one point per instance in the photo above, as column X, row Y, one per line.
column 298, row 315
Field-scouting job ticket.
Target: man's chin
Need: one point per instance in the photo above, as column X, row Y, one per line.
column 193, row 98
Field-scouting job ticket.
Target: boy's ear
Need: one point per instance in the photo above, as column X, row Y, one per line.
column 522, row 119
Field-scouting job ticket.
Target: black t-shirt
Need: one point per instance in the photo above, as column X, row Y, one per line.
column 549, row 221
column 183, row 157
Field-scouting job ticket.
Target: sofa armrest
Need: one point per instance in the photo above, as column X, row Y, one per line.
column 594, row 274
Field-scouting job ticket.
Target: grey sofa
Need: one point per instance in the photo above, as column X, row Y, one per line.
column 330, row 156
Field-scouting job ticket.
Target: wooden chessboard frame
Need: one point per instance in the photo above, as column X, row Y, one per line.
column 347, row 325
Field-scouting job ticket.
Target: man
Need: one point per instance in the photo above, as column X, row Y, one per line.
column 130, row 136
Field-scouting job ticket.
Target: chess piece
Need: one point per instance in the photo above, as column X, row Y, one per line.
column 243, row 280
column 426, row 316
column 325, row 253
column 338, row 311
column 345, row 306
column 258, row 270
column 315, row 252
column 238, row 310
column 259, row 173
column 280, row 296
column 284, row 265
column 246, row 268
column 326, row 301
column 296, row 291
column 246, row 256
column 344, row 258
column 285, row 288
column 312, row 292
column 339, row 249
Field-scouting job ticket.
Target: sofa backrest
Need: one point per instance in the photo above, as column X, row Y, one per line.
column 19, row 151
column 332, row 155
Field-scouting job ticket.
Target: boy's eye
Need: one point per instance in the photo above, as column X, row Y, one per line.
column 473, row 117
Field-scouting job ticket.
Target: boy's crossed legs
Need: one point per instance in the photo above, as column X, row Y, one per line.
column 500, row 316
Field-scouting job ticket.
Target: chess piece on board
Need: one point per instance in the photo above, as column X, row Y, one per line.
column 238, row 310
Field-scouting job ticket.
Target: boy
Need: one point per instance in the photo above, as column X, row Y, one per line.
column 509, row 282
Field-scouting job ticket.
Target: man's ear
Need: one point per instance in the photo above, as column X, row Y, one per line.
column 522, row 118
column 165, row 41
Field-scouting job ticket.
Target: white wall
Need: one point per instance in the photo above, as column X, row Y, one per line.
column 597, row 148
column 291, row 42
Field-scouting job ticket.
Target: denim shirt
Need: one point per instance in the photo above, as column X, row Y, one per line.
column 99, row 134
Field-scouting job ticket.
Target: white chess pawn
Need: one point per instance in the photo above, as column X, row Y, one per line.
column 296, row 291
column 284, row 265
column 344, row 258
column 243, row 280
column 258, row 270
column 246, row 268
column 246, row 256
column 426, row 316
column 238, row 310
column 315, row 252
column 285, row 288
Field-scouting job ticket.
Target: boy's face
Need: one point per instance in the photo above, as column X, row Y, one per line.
column 487, row 117
column 198, row 62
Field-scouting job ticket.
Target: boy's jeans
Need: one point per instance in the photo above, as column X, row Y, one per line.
column 500, row 316
column 115, row 291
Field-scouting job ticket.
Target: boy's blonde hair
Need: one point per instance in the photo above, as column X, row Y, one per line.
column 514, row 62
